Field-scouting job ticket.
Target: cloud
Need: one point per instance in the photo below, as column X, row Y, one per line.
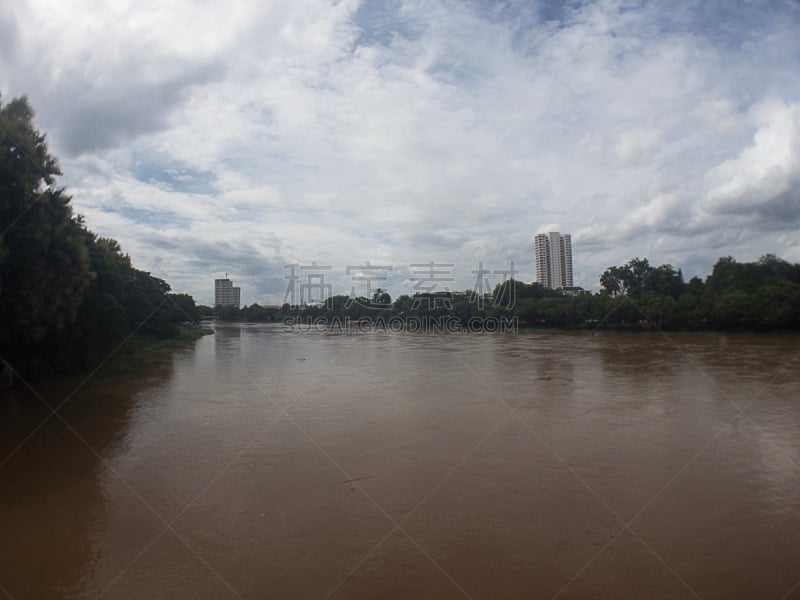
column 98, row 77
column 762, row 184
column 209, row 138
column 97, row 120
column 663, row 213
column 635, row 144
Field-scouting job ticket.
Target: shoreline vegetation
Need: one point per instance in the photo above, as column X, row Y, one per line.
column 69, row 298
column 757, row 296
column 141, row 350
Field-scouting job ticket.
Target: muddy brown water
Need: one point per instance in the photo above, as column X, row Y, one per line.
column 261, row 463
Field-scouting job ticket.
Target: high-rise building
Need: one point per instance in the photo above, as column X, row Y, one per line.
column 553, row 259
column 225, row 294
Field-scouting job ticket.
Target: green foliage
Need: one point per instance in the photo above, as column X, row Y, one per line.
column 657, row 308
column 204, row 311
column 760, row 295
column 44, row 264
column 183, row 308
column 381, row 297
column 637, row 277
column 512, row 289
column 764, row 294
column 403, row 304
column 67, row 297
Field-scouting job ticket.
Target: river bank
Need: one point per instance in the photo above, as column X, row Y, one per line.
column 135, row 352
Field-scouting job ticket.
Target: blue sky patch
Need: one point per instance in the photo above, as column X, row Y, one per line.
column 380, row 22
column 174, row 175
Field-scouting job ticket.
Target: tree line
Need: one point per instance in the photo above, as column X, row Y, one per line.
column 67, row 296
column 761, row 295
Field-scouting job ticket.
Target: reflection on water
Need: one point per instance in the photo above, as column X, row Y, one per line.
column 226, row 471
column 52, row 479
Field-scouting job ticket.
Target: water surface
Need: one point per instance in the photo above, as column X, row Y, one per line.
column 265, row 463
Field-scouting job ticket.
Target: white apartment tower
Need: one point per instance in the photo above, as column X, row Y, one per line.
column 553, row 259
column 225, row 294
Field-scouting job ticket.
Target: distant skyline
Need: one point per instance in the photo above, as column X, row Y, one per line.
column 238, row 137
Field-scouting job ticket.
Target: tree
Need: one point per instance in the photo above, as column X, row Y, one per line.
column 664, row 280
column 381, row 297
column 204, row 311
column 612, row 280
column 403, row 304
column 727, row 274
column 636, row 277
column 627, row 280
column 184, row 308
column 66, row 295
column 638, row 270
column 602, row 308
column 735, row 309
column 44, row 261
column 659, row 309
column 779, row 301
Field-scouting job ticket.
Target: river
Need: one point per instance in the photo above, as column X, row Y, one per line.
column 264, row 463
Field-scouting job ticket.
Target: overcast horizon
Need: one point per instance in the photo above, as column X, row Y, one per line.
column 240, row 139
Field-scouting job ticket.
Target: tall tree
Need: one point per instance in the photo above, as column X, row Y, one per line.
column 44, row 263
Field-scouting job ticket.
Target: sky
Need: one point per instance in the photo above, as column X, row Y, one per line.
column 241, row 137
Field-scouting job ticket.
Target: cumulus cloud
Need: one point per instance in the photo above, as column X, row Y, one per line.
column 241, row 138
column 663, row 213
column 763, row 182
